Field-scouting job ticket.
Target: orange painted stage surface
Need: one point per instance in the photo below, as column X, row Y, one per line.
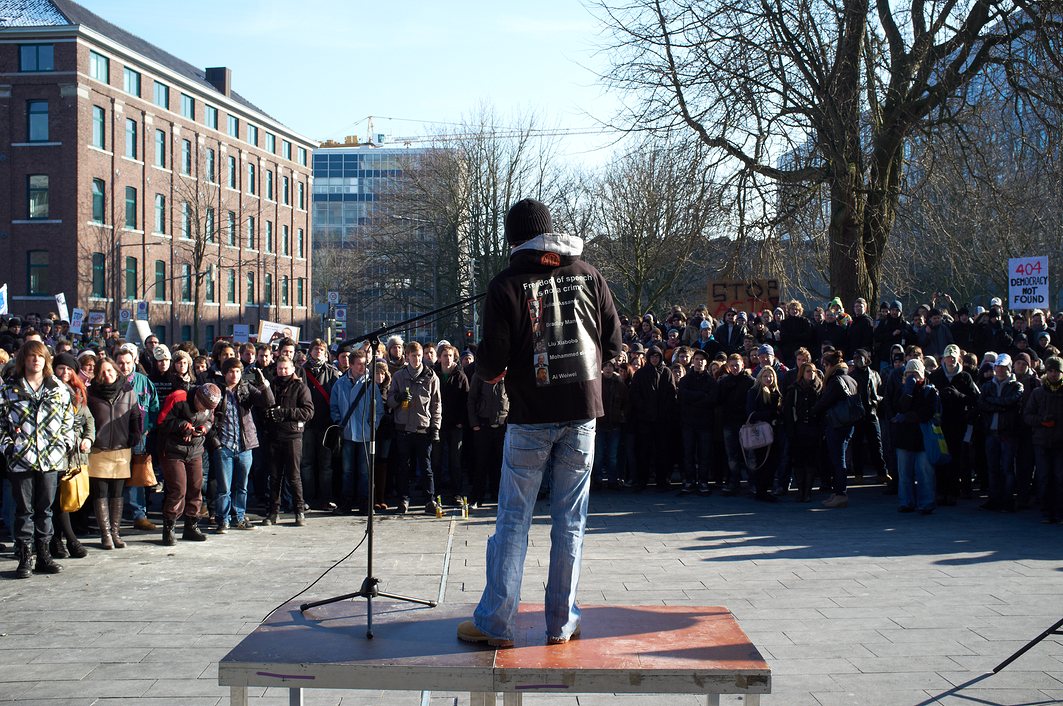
column 622, row 649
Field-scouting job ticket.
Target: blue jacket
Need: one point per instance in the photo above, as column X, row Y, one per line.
column 344, row 392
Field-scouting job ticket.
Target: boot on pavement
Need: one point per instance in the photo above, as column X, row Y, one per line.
column 116, row 521
column 103, row 521
column 192, row 532
column 45, row 564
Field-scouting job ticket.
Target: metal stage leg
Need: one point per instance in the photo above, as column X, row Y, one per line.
column 713, row 700
column 512, row 698
column 237, row 696
column 295, row 697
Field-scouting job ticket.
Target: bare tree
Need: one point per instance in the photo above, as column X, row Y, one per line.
column 827, row 95
column 649, row 219
column 437, row 233
column 202, row 207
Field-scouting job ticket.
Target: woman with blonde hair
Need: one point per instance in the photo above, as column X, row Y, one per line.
column 36, row 433
column 764, row 404
column 119, row 426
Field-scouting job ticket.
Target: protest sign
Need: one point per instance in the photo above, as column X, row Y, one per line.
column 1028, row 283
column 751, row 295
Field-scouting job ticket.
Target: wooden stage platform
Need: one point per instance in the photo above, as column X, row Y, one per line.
column 622, row 649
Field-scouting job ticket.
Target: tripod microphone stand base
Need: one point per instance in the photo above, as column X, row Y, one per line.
column 368, row 591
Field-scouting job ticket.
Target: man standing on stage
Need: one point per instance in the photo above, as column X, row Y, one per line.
column 549, row 323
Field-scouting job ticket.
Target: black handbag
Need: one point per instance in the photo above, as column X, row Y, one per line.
column 847, row 412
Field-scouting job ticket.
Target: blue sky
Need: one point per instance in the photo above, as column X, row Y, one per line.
column 322, row 66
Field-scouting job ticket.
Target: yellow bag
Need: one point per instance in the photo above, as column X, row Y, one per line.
column 74, row 489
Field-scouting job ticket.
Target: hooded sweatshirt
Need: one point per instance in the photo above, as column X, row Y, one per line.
column 549, row 322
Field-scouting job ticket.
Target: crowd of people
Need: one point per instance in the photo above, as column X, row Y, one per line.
column 948, row 403
column 780, row 403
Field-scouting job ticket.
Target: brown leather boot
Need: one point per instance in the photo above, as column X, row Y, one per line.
column 116, row 522
column 103, row 521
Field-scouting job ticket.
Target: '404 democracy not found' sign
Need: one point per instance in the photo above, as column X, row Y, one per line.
column 1028, row 283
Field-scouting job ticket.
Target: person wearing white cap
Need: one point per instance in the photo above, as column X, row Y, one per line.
column 1000, row 407
column 959, row 397
column 915, row 406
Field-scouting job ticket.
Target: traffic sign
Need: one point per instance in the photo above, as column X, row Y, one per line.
column 340, row 313
column 124, row 315
column 333, row 297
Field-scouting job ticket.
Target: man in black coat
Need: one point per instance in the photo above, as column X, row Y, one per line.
column 653, row 402
column 287, row 422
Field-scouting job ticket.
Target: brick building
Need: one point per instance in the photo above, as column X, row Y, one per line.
column 128, row 175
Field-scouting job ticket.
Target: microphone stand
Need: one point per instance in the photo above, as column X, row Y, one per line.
column 370, row 584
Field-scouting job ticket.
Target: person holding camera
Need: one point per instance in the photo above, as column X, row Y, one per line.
column 183, row 428
column 287, row 421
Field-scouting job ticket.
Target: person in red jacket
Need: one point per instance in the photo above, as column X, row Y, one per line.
column 182, row 433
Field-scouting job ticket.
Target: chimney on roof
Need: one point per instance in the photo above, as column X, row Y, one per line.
column 221, row 78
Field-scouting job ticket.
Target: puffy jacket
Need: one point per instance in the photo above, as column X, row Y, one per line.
column 1045, row 405
column 36, row 434
column 248, row 396
column 295, row 408
column 487, row 404
column 424, row 412
column 1003, row 403
column 697, row 399
column 119, row 423
column 326, row 376
column 344, row 393
column 174, row 436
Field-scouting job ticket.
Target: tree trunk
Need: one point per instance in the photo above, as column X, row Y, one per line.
column 880, row 214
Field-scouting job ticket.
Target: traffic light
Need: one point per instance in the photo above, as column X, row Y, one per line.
column 468, row 336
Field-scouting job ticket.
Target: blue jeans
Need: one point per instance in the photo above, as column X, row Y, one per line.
column 837, row 443
column 1000, row 467
column 355, row 491
column 566, row 452
column 915, row 480
column 136, row 502
column 231, row 469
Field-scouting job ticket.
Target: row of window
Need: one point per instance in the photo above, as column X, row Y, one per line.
column 132, row 151
column 190, row 223
column 100, row 69
column 156, row 291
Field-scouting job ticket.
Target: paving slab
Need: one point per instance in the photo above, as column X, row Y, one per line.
column 860, row 606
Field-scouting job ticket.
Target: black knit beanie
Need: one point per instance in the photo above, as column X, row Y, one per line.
column 526, row 219
column 66, row 359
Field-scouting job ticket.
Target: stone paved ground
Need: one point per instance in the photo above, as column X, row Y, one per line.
column 859, row 606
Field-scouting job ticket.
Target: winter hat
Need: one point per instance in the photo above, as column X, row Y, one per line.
column 1054, row 363
column 66, row 359
column 182, row 355
column 915, row 366
column 995, row 301
column 1025, row 357
column 526, row 219
column 742, row 315
column 1003, row 360
column 979, row 310
column 953, row 350
column 765, row 350
column 131, row 348
column 896, row 305
column 86, row 354
column 208, row 395
column 161, row 352
column 1044, row 334
column 706, row 324
column 836, row 301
